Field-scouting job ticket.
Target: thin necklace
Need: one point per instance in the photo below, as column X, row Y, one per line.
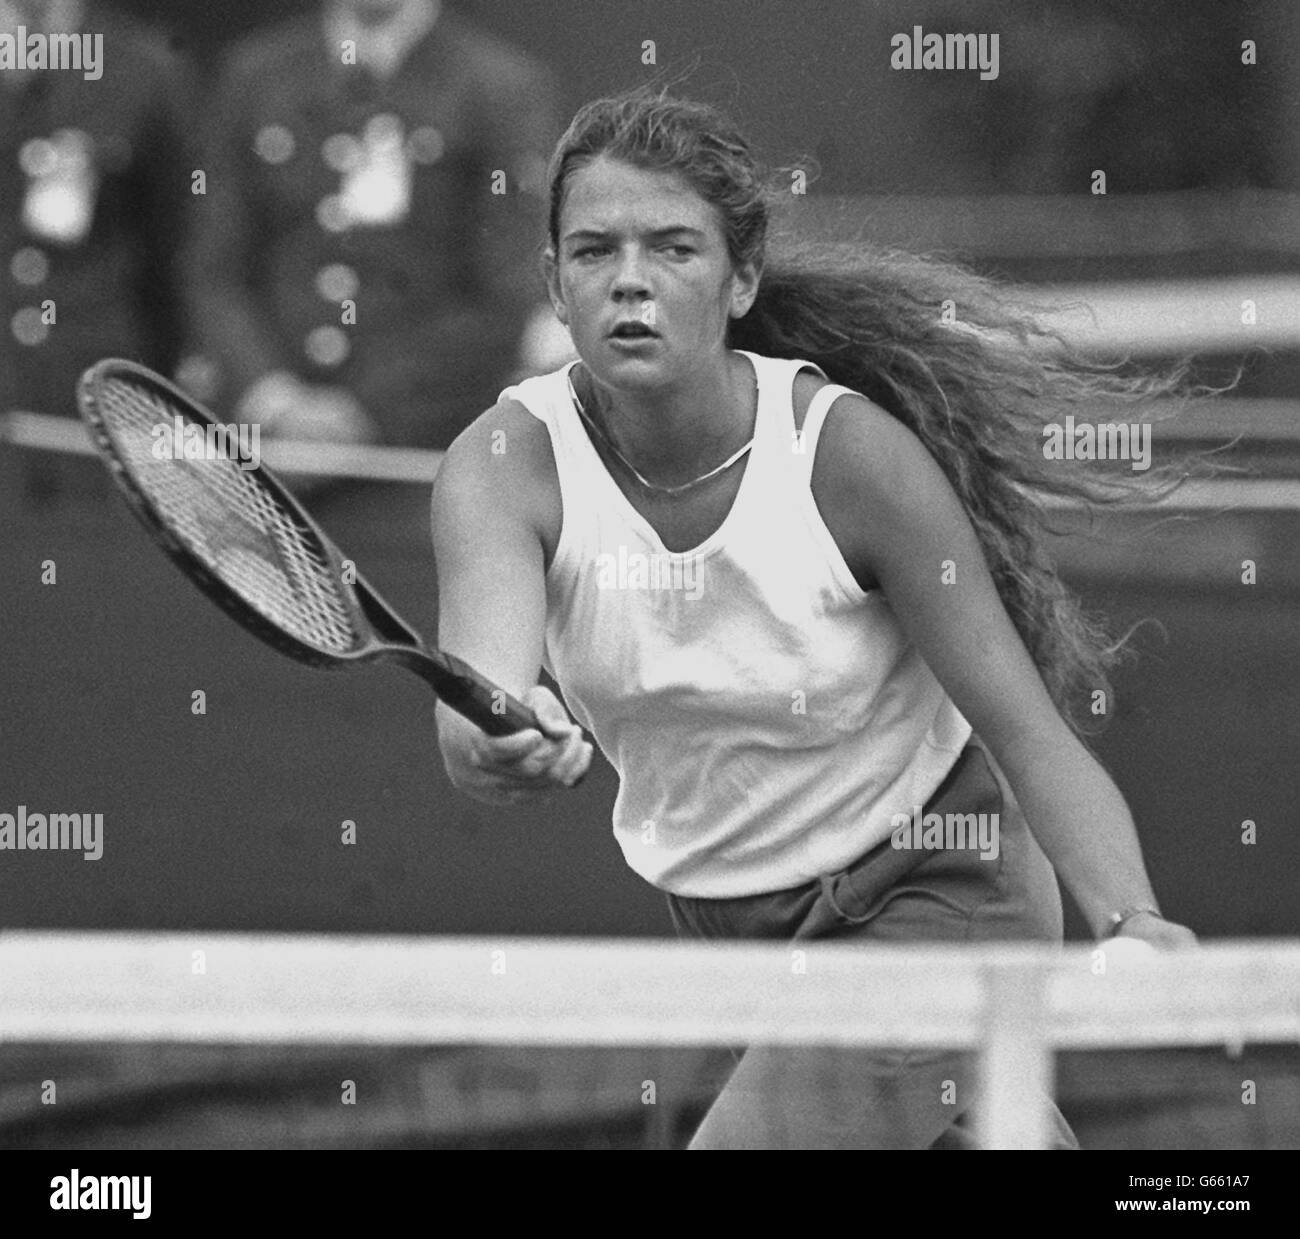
column 631, row 468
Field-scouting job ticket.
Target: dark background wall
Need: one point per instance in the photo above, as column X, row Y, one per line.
column 1155, row 93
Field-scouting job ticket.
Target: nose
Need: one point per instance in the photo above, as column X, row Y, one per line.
column 630, row 281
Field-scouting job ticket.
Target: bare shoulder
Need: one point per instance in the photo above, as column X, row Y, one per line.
column 508, row 432
column 870, row 474
column 862, row 442
column 501, row 466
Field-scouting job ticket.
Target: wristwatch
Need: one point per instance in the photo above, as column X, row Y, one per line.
column 1116, row 920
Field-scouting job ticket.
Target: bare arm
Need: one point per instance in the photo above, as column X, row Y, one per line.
column 488, row 513
column 898, row 519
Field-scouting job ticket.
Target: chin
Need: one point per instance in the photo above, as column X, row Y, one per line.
column 632, row 373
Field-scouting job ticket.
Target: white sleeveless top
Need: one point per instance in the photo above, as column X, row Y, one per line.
column 766, row 716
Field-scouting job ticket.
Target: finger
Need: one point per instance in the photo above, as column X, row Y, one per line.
column 538, row 761
column 539, row 764
column 551, row 715
column 502, row 750
column 549, row 767
column 563, row 763
column 585, row 766
column 528, row 771
column 572, row 768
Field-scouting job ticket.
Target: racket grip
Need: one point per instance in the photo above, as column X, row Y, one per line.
column 472, row 695
column 482, row 702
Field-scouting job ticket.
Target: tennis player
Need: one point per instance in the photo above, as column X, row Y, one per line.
column 776, row 536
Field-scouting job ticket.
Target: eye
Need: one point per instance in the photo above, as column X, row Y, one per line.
column 680, row 251
column 591, row 251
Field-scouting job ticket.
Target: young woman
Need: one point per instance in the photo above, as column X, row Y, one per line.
column 776, row 537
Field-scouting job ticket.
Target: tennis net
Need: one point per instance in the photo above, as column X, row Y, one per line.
column 1015, row 1006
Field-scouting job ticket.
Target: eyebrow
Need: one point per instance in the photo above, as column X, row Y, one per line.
column 596, row 234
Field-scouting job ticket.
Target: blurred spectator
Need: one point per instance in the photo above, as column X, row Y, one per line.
column 365, row 257
column 92, row 202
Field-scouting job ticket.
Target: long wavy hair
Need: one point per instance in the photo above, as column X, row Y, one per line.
column 977, row 384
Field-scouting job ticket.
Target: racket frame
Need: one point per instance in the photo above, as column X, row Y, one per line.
column 384, row 635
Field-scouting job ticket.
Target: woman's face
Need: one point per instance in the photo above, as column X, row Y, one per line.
column 639, row 246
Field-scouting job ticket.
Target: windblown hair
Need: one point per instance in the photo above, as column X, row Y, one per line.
column 977, row 391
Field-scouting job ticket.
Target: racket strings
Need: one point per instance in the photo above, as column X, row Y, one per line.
column 224, row 515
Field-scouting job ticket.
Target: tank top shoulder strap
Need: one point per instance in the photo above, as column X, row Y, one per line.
column 813, row 421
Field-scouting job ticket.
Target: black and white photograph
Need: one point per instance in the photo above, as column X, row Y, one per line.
column 584, row 575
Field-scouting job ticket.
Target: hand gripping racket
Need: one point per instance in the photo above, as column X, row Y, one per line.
column 243, row 540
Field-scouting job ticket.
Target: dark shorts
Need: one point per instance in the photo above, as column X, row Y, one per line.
column 820, row 1098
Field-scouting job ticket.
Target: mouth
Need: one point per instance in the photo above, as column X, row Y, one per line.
column 633, row 329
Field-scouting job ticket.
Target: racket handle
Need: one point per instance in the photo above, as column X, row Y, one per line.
column 471, row 694
column 514, row 715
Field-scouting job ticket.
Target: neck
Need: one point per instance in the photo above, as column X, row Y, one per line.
column 673, row 434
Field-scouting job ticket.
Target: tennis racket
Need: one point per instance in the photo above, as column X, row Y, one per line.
column 242, row 539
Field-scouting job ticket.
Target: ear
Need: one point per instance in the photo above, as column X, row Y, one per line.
column 744, row 288
column 551, row 274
